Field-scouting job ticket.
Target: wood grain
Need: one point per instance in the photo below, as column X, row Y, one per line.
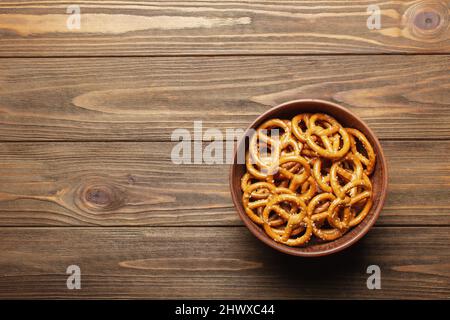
column 86, row 118
column 400, row 97
column 131, row 184
column 133, row 27
column 217, row 262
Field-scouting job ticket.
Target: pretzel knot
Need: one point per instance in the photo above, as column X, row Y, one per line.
column 294, row 220
column 318, row 217
column 266, row 146
column 369, row 161
column 312, row 179
column 256, row 196
column 296, row 179
column 333, row 136
column 296, row 125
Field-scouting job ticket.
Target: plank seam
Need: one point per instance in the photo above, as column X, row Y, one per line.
column 232, row 55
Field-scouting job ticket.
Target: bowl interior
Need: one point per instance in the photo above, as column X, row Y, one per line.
column 378, row 178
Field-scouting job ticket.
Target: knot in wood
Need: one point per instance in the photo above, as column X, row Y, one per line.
column 99, row 197
column 427, row 20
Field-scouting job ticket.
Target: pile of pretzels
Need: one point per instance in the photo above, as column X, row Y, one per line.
column 311, row 179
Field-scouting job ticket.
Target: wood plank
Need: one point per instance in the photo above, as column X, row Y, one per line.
column 125, row 184
column 217, row 263
column 159, row 27
column 400, row 97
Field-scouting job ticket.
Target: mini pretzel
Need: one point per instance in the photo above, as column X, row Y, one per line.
column 246, row 180
column 296, row 179
column 333, row 214
column 369, row 161
column 318, row 218
column 323, row 182
column 260, row 174
column 357, row 217
column 332, row 126
column 251, row 191
column 328, row 151
column 296, row 130
column 293, row 145
column 333, row 218
column 268, row 164
column 337, row 170
column 268, row 126
column 308, row 189
column 249, row 207
column 293, row 221
column 330, row 135
column 315, row 183
column 275, row 145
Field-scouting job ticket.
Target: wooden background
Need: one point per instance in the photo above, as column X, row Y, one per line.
column 85, row 123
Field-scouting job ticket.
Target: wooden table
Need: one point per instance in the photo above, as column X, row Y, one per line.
column 86, row 118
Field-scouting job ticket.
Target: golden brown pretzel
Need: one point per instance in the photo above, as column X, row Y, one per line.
column 319, row 218
column 357, row 217
column 296, row 130
column 369, row 161
column 251, row 192
column 246, row 180
column 268, row 126
column 333, row 218
column 330, row 134
column 250, row 206
column 333, row 214
column 323, row 182
column 336, row 170
column 293, row 221
column 268, row 164
column 258, row 173
column 296, row 179
column 308, row 189
column 328, row 151
column 330, row 124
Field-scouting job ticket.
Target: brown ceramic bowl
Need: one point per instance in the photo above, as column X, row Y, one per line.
column 379, row 178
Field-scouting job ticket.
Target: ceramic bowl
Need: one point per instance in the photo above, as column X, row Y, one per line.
column 379, row 178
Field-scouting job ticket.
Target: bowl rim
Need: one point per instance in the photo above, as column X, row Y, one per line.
column 255, row 229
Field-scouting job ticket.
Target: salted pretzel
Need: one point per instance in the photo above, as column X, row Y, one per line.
column 296, row 179
column 327, row 133
column 318, row 217
column 251, row 192
column 310, row 181
column 297, row 130
column 264, row 166
column 364, row 200
column 336, row 169
column 322, row 181
column 255, row 171
column 369, row 161
column 293, row 220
